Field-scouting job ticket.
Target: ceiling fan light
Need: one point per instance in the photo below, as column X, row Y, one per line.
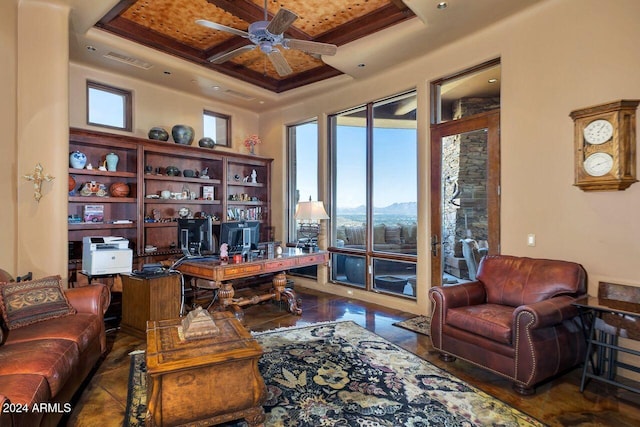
column 266, row 47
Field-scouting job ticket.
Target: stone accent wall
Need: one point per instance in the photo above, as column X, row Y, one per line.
column 464, row 174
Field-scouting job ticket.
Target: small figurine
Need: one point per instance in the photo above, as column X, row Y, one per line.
column 204, row 173
column 254, row 176
column 224, row 252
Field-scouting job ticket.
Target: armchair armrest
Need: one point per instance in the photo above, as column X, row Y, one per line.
column 93, row 299
column 548, row 312
column 471, row 293
column 445, row 297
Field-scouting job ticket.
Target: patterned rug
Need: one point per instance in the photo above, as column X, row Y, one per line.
column 340, row 374
column 419, row 324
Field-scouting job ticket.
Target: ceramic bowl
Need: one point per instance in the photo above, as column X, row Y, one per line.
column 172, row 171
column 188, row 173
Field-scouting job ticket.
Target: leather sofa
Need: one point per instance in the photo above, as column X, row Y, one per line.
column 516, row 320
column 43, row 364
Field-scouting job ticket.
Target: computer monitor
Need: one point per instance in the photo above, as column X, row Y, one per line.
column 240, row 236
column 196, row 236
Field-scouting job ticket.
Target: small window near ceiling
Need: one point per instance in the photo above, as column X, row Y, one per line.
column 109, row 106
column 217, row 127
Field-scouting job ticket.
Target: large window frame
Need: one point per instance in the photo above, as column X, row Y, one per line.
column 369, row 259
column 305, row 132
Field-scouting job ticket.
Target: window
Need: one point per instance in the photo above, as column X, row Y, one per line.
column 303, row 168
column 217, row 127
column 108, row 106
column 374, row 196
column 302, row 141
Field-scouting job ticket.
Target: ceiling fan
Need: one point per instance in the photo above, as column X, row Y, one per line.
column 267, row 35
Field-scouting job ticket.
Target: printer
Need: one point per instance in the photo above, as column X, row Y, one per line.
column 106, row 255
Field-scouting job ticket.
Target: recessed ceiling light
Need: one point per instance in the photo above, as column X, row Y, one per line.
column 215, row 87
column 91, row 49
column 442, row 5
column 492, row 80
column 168, row 73
column 362, row 65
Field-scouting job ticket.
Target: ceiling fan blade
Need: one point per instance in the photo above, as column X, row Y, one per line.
column 311, row 47
column 220, row 27
column 223, row 57
column 282, row 21
column 280, row 63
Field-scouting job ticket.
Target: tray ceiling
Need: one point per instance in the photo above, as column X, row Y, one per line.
column 169, row 26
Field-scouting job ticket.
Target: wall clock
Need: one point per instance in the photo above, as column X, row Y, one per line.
column 605, row 146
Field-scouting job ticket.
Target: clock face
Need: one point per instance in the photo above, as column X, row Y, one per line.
column 598, row 164
column 598, row 131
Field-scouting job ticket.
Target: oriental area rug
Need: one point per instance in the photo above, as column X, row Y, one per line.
column 419, row 324
column 340, row 374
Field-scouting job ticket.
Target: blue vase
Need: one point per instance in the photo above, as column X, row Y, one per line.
column 112, row 161
column 77, row 160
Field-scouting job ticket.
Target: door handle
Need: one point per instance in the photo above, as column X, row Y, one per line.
column 435, row 244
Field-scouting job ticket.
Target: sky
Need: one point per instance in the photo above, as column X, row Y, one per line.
column 395, row 166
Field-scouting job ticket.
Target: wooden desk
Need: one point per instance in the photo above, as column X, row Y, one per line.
column 222, row 273
column 156, row 298
column 607, row 319
column 203, row 381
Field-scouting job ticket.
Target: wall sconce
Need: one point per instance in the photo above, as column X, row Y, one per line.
column 309, row 214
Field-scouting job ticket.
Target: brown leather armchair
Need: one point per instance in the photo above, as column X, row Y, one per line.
column 516, row 320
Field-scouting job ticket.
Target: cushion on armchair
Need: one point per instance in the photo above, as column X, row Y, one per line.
column 24, row 303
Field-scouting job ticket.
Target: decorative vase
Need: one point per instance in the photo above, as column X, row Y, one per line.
column 182, row 134
column 251, row 151
column 112, row 161
column 207, row 142
column 159, row 134
column 77, row 160
column 72, row 183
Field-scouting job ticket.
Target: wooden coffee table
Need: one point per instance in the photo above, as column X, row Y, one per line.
column 203, row 381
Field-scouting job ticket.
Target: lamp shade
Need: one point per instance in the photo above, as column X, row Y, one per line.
column 310, row 211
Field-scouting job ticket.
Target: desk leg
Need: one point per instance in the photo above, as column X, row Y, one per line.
column 225, row 294
column 281, row 291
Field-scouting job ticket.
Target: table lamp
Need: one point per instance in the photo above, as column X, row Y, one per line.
column 309, row 214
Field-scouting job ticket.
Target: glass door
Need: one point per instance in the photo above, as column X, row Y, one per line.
column 465, row 196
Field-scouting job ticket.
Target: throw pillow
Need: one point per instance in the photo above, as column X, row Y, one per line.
column 24, row 303
column 355, row 235
column 392, row 234
column 410, row 233
column 378, row 233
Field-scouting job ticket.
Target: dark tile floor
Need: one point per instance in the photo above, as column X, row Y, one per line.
column 557, row 403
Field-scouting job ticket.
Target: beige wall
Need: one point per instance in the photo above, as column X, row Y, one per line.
column 557, row 57
column 8, row 171
column 155, row 105
column 41, row 131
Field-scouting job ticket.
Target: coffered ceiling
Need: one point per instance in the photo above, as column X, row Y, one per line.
column 158, row 41
column 170, row 26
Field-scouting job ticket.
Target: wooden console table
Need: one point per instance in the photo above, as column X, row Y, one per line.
column 223, row 273
column 614, row 313
column 203, row 381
